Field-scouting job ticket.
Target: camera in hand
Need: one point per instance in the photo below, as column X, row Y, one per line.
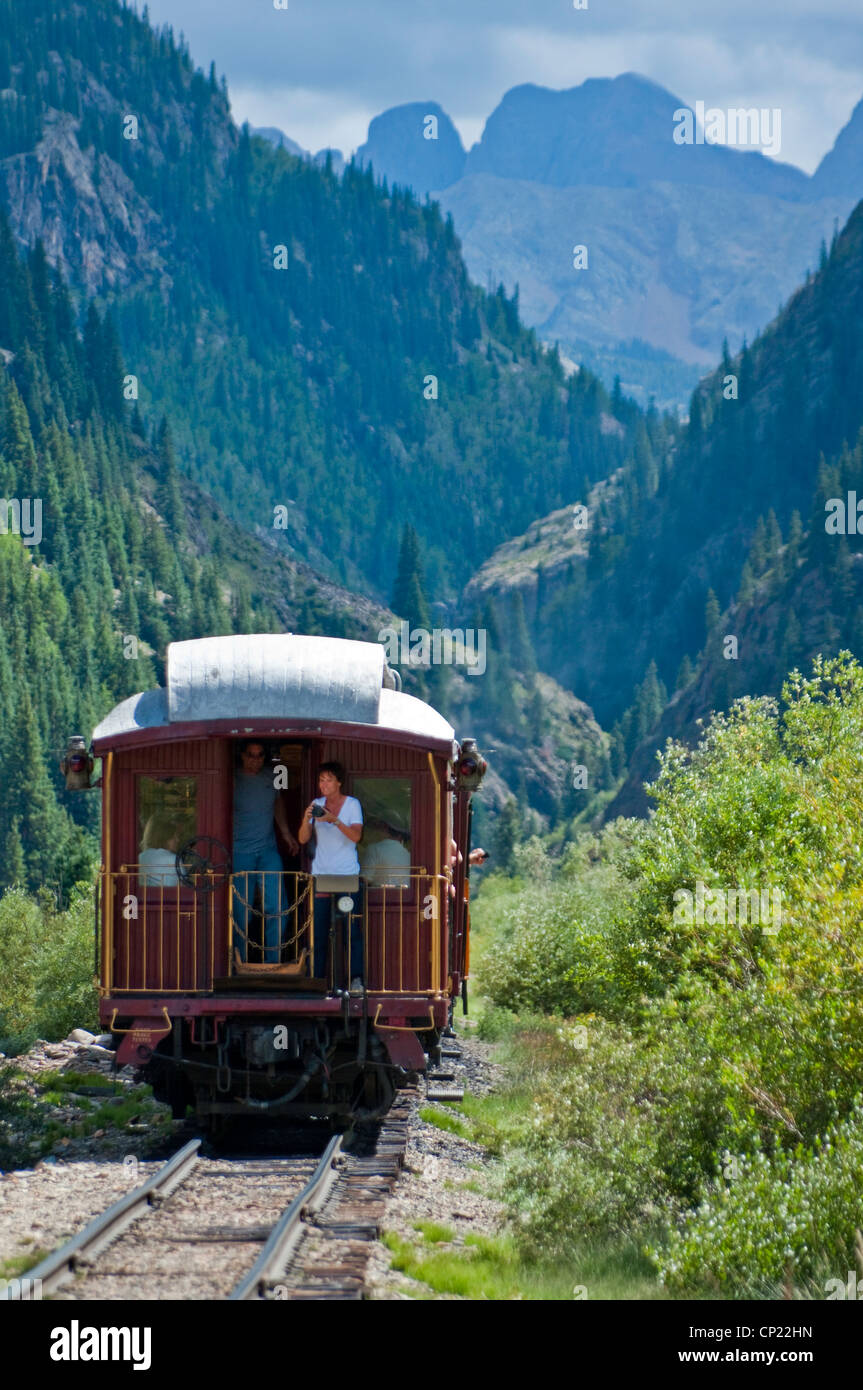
column 318, row 811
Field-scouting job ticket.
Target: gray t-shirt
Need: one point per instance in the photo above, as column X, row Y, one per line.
column 254, row 804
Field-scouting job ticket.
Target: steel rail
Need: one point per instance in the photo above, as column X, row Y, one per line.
column 59, row 1266
column 288, row 1230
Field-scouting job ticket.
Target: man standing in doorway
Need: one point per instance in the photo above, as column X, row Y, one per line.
column 257, row 862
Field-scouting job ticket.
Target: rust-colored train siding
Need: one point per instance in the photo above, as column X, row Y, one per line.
column 414, row 959
column 398, row 958
column 144, row 953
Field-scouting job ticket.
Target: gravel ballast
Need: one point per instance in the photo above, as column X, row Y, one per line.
column 441, row 1171
column 43, row 1206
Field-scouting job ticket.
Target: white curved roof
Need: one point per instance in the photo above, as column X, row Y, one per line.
column 275, row 676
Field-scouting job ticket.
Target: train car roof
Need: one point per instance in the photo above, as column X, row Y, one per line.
column 275, row 678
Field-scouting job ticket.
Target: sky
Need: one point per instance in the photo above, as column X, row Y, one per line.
column 321, row 69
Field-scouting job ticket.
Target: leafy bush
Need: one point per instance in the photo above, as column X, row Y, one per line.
column 66, row 996
column 716, row 1031
column 19, row 1126
column 46, row 967
column 550, row 951
column 621, row 1132
column 787, row 1218
column 20, row 945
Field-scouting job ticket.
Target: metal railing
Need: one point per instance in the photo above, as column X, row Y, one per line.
column 284, row 902
column 159, row 937
column 169, row 938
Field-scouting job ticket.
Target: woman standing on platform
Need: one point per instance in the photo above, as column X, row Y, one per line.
column 338, row 826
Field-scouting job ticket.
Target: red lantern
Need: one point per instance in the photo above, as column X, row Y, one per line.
column 77, row 765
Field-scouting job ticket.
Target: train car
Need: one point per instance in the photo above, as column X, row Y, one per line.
column 207, row 967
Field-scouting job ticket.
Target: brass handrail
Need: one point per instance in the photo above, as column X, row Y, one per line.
column 165, row 940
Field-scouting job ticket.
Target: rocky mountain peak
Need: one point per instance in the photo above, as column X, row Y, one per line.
column 415, row 145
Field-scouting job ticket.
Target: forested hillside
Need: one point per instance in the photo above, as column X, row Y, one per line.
column 315, row 342
column 109, row 556
column 299, row 345
column 659, row 562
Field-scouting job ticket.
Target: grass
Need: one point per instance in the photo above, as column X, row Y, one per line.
column 16, row 1265
column 493, row 1267
column 453, row 1123
column 433, row 1233
column 38, row 1132
column 71, row 1080
column 490, row 1267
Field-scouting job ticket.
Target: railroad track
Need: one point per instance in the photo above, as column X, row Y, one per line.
column 325, row 1244
column 239, row 1229
column 189, row 1232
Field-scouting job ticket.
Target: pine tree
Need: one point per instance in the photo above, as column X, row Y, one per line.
column 651, row 697
column 712, row 617
column 684, row 674
column 747, row 584
column 521, row 651
column 506, row 835
column 169, row 492
column 39, row 818
column 13, row 870
column 409, row 600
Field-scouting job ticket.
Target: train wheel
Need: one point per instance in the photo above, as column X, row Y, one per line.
column 169, row 1085
column 378, row 1091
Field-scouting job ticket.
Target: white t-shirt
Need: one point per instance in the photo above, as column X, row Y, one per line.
column 381, row 862
column 334, row 852
column 162, row 864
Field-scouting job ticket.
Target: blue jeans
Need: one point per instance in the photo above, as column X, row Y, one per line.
column 264, row 868
column 323, row 908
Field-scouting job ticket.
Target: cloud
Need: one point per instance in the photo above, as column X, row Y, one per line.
column 322, row 68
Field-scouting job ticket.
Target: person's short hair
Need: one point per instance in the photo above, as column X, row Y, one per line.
column 246, row 743
column 335, row 768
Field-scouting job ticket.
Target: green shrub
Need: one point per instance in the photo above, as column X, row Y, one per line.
column 20, row 946
column 620, row 1133
column 19, row 1124
column 66, row 996
column 46, row 967
column 789, row 1218
column 495, row 1023
column 712, row 1031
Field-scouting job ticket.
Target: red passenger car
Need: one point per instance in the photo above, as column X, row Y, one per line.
column 184, row 983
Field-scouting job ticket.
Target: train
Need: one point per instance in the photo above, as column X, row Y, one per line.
column 211, row 976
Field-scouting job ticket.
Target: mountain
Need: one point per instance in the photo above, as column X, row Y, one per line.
column 315, row 341
column 416, row 146
column 615, row 133
column 216, row 445
column 686, row 245
column 710, row 514
column 280, row 140
column 840, row 173
column 800, row 590
column 106, row 555
column 284, row 142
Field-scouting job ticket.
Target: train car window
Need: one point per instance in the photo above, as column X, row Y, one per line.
column 167, row 818
column 385, row 849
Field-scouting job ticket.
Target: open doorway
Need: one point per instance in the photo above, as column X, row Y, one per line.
column 267, row 806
